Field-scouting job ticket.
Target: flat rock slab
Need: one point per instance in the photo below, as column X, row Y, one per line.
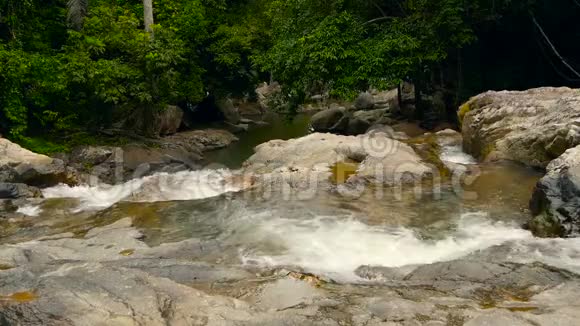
column 110, row 277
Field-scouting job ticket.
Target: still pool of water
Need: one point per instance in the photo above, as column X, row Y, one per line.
column 278, row 128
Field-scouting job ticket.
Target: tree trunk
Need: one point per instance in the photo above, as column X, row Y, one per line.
column 400, row 95
column 148, row 15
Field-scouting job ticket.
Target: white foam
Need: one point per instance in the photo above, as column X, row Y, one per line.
column 29, row 210
column 186, row 185
column 334, row 247
column 454, row 154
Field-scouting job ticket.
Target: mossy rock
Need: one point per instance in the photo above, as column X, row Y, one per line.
column 473, row 104
column 429, row 150
column 463, row 110
column 342, row 171
column 545, row 225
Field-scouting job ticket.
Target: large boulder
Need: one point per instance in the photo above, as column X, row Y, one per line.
column 169, row 120
column 229, row 111
column 334, row 120
column 154, row 122
column 13, row 154
column 19, row 165
column 387, row 99
column 91, row 155
column 379, row 159
column 361, row 121
column 364, row 101
column 556, row 200
column 532, row 127
column 46, row 175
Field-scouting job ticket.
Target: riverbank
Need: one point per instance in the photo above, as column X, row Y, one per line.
column 383, row 228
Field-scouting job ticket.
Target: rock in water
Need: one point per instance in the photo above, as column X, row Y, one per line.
column 532, row 127
column 46, row 175
column 556, row 200
column 361, row 121
column 334, row 120
column 18, row 190
column 228, row 110
column 91, row 155
column 382, row 160
column 19, row 165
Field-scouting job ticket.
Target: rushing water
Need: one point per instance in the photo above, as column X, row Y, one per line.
column 327, row 235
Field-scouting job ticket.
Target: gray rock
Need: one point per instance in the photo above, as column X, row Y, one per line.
column 18, row 165
column 384, row 160
column 169, row 120
column 7, row 173
column 382, row 274
column 237, row 128
column 532, row 127
column 357, row 126
column 497, row 318
column 202, row 139
column 364, row 101
column 229, row 111
column 153, row 122
column 90, row 155
column 13, row 154
column 287, row 293
column 18, row 190
column 45, row 175
column 362, row 120
column 110, row 277
column 398, row 310
column 387, row 100
column 555, row 203
column 334, row 120
column 467, row 278
column 270, row 96
column 251, row 122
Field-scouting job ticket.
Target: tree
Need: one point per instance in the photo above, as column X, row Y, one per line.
column 77, row 11
column 148, row 15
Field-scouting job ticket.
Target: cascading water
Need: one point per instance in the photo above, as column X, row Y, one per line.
column 319, row 236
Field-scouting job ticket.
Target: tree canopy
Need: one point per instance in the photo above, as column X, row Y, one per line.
column 80, row 64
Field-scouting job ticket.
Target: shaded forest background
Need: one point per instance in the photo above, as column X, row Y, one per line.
column 74, row 67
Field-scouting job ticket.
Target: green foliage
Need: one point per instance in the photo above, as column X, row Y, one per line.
column 108, row 67
column 339, row 44
column 66, row 69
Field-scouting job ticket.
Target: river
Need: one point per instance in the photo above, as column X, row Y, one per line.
column 327, row 234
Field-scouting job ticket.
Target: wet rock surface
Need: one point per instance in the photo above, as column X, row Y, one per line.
column 18, row 190
column 109, row 276
column 556, row 200
column 339, row 120
column 334, row 120
column 178, row 152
